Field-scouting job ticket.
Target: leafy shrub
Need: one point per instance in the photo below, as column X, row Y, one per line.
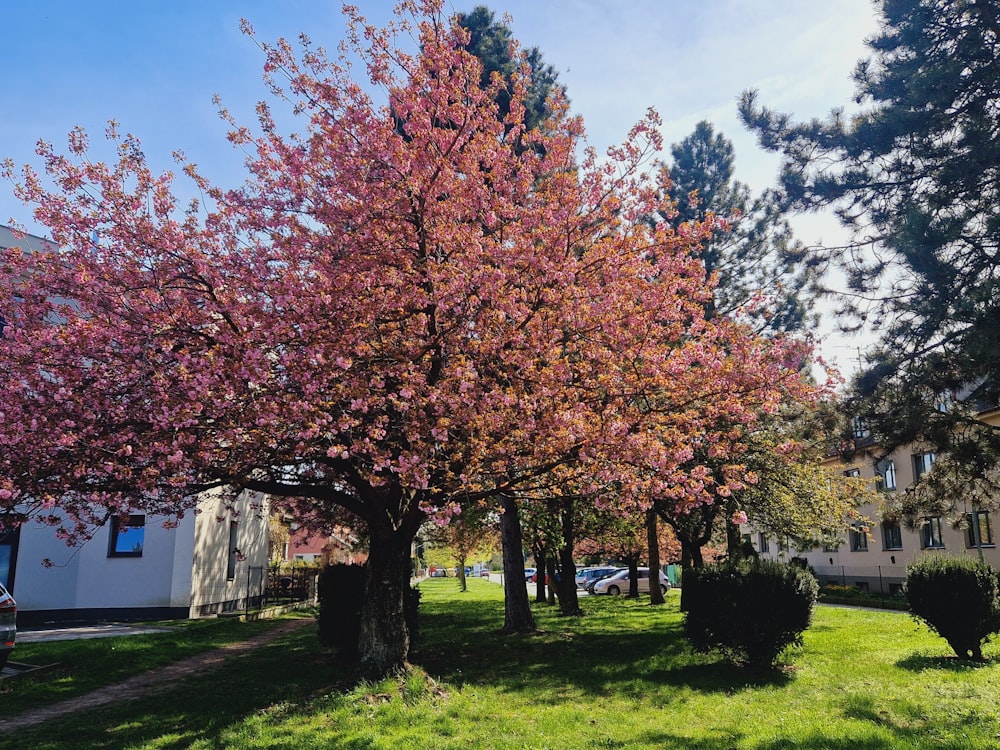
column 750, row 610
column 958, row 598
column 341, row 592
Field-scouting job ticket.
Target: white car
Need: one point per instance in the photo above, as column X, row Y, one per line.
column 618, row 583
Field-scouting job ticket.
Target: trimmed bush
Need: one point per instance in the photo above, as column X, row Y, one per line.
column 749, row 610
column 958, row 598
column 340, row 592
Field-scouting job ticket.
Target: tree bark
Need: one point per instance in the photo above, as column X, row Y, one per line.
column 569, row 602
column 516, row 611
column 461, row 574
column 655, row 594
column 385, row 641
column 633, row 576
column 540, row 567
column 550, row 579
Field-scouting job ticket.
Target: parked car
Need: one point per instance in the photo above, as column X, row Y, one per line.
column 585, row 576
column 439, row 573
column 484, row 573
column 8, row 625
column 618, row 583
column 529, row 574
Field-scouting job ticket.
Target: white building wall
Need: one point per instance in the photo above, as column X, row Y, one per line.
column 213, row 591
column 87, row 578
column 182, row 571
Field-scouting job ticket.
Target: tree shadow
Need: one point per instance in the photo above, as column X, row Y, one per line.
column 920, row 662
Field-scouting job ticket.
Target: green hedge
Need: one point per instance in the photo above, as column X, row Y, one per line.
column 958, row 598
column 750, row 610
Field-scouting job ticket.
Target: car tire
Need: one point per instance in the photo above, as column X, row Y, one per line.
column 4, row 655
column 664, row 588
column 614, row 591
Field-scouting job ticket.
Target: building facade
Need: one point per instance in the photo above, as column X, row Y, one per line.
column 142, row 570
column 874, row 553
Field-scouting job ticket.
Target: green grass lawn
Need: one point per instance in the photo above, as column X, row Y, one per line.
column 619, row 677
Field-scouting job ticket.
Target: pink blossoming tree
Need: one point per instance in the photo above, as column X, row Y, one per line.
column 402, row 310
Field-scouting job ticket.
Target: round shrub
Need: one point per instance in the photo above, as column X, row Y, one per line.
column 749, row 610
column 958, row 598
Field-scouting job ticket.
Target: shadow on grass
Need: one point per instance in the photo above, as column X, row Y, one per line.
column 590, row 653
column 922, row 662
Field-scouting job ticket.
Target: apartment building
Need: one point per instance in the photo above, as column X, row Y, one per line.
column 873, row 554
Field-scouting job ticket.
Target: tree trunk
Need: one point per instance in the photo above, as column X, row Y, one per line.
column 461, row 574
column 633, row 576
column 569, row 602
column 385, row 642
column 655, row 593
column 538, row 555
column 550, row 579
column 516, row 610
column 734, row 541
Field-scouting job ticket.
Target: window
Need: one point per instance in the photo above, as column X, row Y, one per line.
column 860, row 428
column 128, row 537
column 762, row 541
column 886, row 470
column 945, row 401
column 783, row 544
column 233, row 552
column 859, row 539
column 892, row 535
column 922, row 463
column 978, row 522
column 930, row 533
column 852, row 473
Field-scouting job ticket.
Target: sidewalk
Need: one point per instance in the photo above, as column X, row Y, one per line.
column 98, row 630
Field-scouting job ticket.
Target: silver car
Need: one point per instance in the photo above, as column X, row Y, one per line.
column 618, row 583
column 586, row 576
column 8, row 625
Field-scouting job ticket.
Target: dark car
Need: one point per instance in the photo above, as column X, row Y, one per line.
column 8, row 625
column 439, row 573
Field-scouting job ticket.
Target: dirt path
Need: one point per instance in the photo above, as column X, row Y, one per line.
column 150, row 682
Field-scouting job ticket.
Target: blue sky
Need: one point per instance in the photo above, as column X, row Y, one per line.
column 154, row 67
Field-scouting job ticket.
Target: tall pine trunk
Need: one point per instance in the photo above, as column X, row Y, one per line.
column 517, row 617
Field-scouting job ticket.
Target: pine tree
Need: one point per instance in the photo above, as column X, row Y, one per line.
column 756, row 256
column 915, row 177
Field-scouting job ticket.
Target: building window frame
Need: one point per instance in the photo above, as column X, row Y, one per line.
column 922, row 463
column 859, row 539
column 233, row 551
column 762, row 543
column 930, row 533
column 985, row 529
column 892, row 535
column 127, row 539
column 886, row 470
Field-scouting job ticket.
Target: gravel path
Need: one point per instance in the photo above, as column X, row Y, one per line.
column 151, row 682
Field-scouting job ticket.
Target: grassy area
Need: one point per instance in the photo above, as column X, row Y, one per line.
column 77, row 667
column 619, row 677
